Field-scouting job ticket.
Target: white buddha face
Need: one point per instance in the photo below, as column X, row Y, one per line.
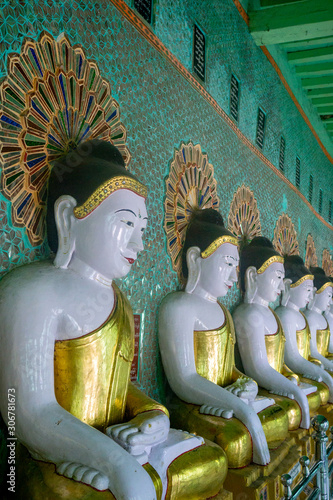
column 302, row 294
column 219, row 270
column 109, row 238
column 270, row 282
column 323, row 300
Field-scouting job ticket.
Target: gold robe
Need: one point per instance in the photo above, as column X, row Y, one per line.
column 275, row 354
column 91, row 377
column 303, row 344
column 214, row 358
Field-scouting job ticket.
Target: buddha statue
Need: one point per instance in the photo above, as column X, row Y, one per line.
column 260, row 335
column 297, row 294
column 329, row 318
column 196, row 337
column 68, row 330
column 319, row 328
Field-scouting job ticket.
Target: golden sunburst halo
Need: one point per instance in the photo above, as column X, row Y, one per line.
column 310, row 253
column 285, row 236
column 190, row 185
column 244, row 217
column 53, row 100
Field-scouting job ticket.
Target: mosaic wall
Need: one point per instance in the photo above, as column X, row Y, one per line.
column 160, row 110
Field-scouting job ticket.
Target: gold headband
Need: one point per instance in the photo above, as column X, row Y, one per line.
column 109, row 187
column 301, row 280
column 329, row 283
column 217, row 243
column 271, row 260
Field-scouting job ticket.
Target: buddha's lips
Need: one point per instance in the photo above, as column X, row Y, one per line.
column 131, row 261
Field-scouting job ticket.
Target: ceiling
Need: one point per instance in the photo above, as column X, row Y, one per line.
column 299, row 36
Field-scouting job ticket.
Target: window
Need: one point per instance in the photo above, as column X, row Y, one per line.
column 261, row 122
column 282, row 151
column 298, row 172
column 199, row 53
column 234, row 98
column 145, row 9
column 310, row 188
column 320, row 204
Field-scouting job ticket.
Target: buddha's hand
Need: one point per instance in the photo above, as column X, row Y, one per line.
column 215, row 411
column 142, row 432
column 251, row 420
column 244, row 388
column 293, row 379
column 261, row 454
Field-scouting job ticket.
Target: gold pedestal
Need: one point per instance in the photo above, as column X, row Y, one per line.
column 256, row 482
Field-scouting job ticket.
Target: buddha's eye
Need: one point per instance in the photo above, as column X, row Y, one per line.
column 143, row 229
column 128, row 223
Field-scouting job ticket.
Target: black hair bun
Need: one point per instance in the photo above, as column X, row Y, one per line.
column 207, row 216
column 318, row 271
column 294, row 259
column 105, row 151
column 261, row 241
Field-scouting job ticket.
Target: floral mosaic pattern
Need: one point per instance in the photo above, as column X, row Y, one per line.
column 53, row 99
column 310, row 253
column 326, row 263
column 189, row 185
column 244, row 217
column 285, row 236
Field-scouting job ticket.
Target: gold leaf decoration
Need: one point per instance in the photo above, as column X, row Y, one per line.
column 327, row 263
column 244, row 217
column 310, row 253
column 53, row 100
column 190, row 185
column 285, row 236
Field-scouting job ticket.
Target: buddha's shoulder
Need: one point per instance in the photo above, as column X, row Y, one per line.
column 246, row 308
column 33, row 281
column 287, row 312
column 178, row 301
column 251, row 314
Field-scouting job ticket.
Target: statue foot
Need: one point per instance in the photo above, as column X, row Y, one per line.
column 216, row 412
column 86, row 475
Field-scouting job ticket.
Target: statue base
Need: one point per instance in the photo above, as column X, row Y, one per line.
column 197, row 474
column 256, row 482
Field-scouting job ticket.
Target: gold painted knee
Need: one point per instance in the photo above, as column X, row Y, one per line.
column 197, row 474
column 275, row 423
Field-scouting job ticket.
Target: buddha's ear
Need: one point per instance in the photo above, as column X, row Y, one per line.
column 250, row 284
column 313, row 299
column 193, row 260
column 286, row 292
column 65, row 220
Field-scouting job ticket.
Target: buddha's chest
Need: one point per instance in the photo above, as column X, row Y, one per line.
column 269, row 320
column 209, row 316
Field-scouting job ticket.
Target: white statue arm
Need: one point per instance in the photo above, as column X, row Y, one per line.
column 326, row 363
column 295, row 361
column 292, row 357
column 249, row 325
column 176, row 325
column 50, row 432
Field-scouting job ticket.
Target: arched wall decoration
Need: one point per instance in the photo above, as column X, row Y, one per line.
column 244, row 217
column 310, row 254
column 285, row 236
column 53, row 100
column 326, row 263
column 189, row 185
